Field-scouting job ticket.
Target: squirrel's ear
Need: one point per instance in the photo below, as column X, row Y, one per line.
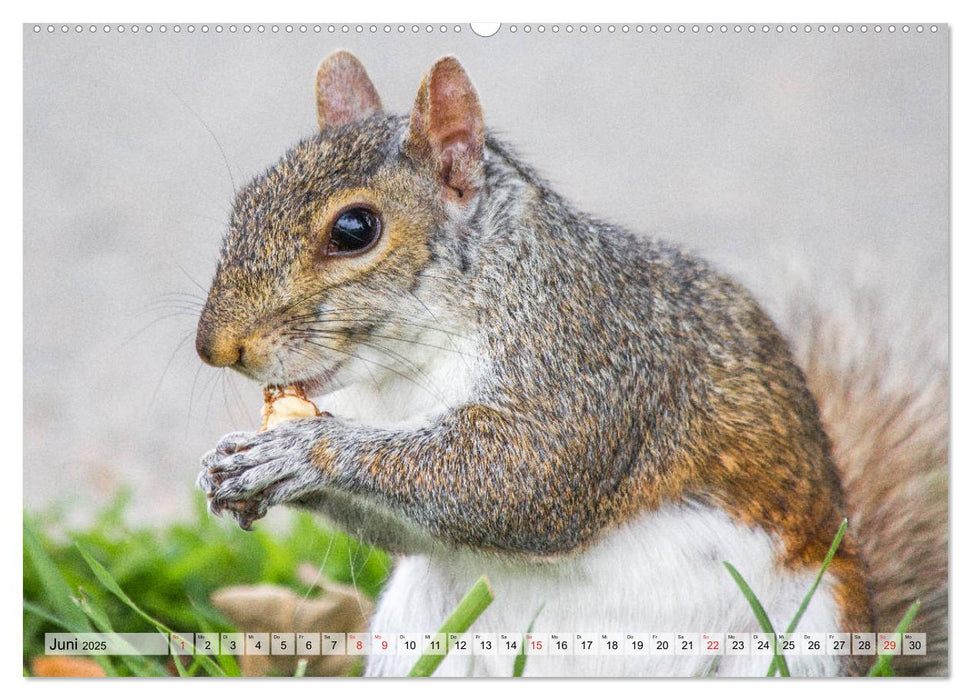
column 447, row 127
column 344, row 91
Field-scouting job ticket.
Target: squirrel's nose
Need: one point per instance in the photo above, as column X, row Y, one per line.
column 218, row 351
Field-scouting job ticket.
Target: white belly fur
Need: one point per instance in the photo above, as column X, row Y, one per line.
column 661, row 573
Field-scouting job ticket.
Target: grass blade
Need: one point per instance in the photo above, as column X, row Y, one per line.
column 819, row 577
column 29, row 607
column 45, row 615
column 812, row 589
column 519, row 665
column 227, row 662
column 179, row 666
column 57, row 590
column 108, row 581
column 466, row 612
column 884, row 664
column 138, row 665
column 761, row 616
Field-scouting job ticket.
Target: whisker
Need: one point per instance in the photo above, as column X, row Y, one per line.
column 222, row 386
column 151, row 324
column 300, row 300
column 325, row 314
column 320, row 571
column 310, row 331
column 205, row 292
column 408, row 362
column 192, row 395
column 367, row 557
column 151, row 401
column 173, row 304
column 403, row 359
column 350, row 561
column 205, row 126
column 239, row 397
column 428, row 310
column 402, row 320
column 211, row 386
column 183, row 294
column 377, row 364
column 423, row 305
column 166, row 312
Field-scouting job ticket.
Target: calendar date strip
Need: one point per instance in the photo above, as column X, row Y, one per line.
column 487, row 644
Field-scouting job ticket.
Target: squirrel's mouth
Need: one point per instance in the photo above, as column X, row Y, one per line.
column 317, row 384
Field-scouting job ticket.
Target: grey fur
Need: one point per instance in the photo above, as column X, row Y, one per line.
column 595, row 386
column 619, row 374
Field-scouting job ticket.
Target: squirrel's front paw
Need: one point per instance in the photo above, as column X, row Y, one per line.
column 249, row 472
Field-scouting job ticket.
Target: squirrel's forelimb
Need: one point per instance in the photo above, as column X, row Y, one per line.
column 477, row 478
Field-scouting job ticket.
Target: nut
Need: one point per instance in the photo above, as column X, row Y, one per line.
column 283, row 404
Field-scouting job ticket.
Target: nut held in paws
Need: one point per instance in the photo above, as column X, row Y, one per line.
column 283, row 404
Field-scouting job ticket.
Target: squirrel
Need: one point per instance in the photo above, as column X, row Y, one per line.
column 595, row 420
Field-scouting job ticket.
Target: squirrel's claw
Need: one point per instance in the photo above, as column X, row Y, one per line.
column 246, row 513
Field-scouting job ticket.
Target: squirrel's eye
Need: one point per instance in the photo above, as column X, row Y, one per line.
column 353, row 231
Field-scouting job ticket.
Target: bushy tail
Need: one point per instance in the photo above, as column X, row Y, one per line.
column 888, row 422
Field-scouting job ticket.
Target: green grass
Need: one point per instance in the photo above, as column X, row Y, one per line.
column 519, row 665
column 114, row 577
column 472, row 605
column 88, row 580
column 883, row 665
column 778, row 660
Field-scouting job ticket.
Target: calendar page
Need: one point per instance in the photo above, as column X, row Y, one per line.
column 600, row 349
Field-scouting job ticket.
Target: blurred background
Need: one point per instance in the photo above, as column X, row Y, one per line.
column 807, row 165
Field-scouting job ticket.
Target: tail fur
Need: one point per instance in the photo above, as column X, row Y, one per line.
column 888, row 423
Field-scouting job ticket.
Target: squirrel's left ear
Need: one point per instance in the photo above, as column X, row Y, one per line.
column 447, row 127
column 344, row 91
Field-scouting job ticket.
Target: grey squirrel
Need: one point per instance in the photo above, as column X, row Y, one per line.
column 594, row 420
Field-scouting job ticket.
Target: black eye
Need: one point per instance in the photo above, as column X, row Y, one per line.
column 353, row 231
